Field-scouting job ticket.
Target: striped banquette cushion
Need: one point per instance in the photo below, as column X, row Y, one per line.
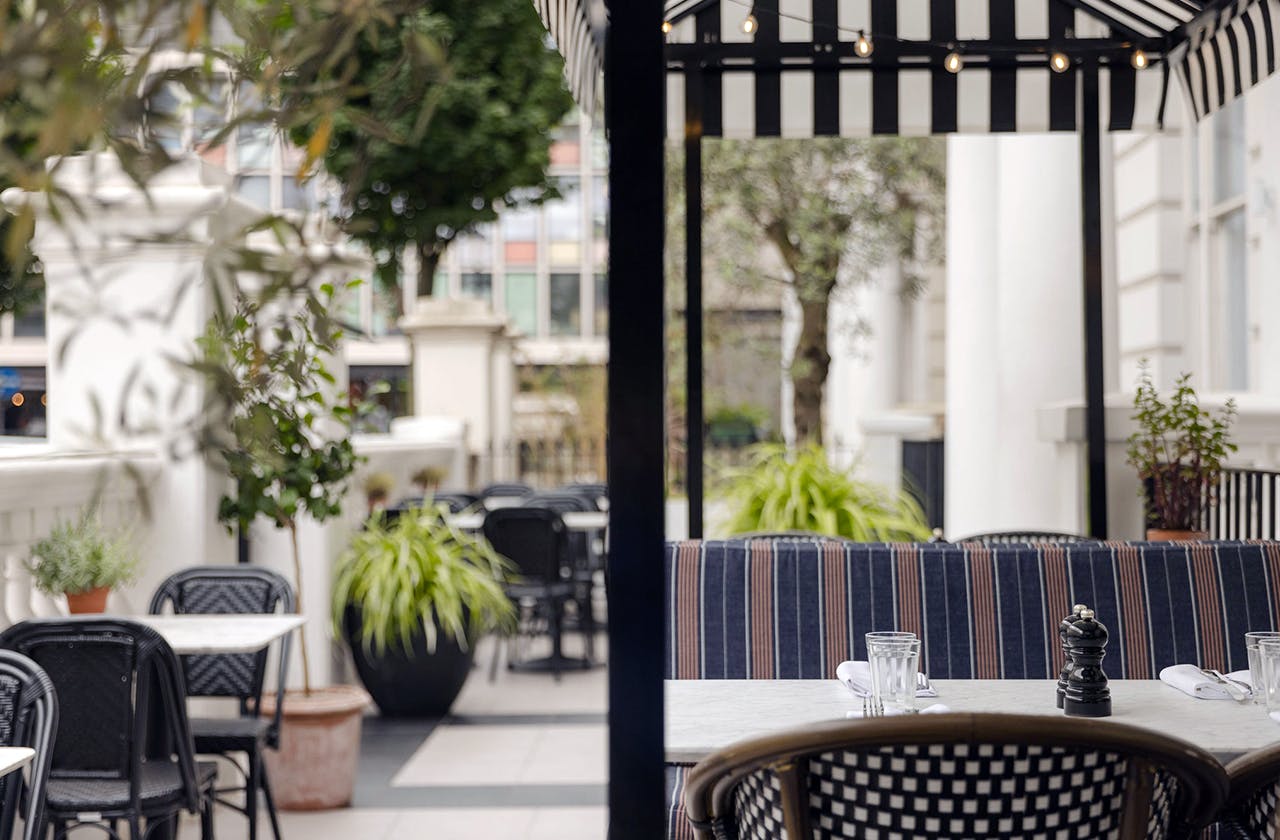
column 795, row 609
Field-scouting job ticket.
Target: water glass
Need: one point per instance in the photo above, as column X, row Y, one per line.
column 894, row 658
column 1251, row 640
column 1269, row 659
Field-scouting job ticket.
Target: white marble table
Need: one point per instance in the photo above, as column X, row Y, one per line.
column 705, row 715
column 573, row 520
column 188, row 634
column 14, row 758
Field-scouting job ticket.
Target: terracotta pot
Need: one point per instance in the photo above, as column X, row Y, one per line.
column 91, row 601
column 1174, row 535
column 315, row 767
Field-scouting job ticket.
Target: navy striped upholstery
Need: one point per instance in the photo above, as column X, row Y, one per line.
column 795, row 609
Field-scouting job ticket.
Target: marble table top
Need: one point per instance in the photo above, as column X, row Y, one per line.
column 188, row 634
column 573, row 520
column 15, row 758
column 705, row 715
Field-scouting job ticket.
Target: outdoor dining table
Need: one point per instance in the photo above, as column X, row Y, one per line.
column 14, row 758
column 242, row 633
column 573, row 520
column 704, row 715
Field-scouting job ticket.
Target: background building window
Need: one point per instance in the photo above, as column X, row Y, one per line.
column 1233, row 276
column 566, row 304
column 602, row 305
column 477, row 284
column 520, row 299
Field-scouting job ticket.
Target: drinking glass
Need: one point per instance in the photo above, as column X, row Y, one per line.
column 894, row 658
column 1269, row 659
column 1255, row 667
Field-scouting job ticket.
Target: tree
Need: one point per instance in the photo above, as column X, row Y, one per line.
column 831, row 210
column 486, row 143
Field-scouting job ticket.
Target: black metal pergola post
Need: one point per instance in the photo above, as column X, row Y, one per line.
column 694, row 422
column 635, row 79
column 1091, row 245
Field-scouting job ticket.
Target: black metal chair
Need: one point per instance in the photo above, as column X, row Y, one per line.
column 28, row 718
column 596, row 492
column 238, row 590
column 1012, row 537
column 124, row 750
column 1004, row 777
column 510, row 489
column 584, row 562
column 536, row 542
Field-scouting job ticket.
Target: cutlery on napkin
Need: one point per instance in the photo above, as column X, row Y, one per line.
column 1192, row 681
column 935, row 709
column 857, row 677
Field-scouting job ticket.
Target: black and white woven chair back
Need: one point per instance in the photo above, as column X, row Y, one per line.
column 222, row 590
column 1253, row 811
column 940, row 776
column 1024, row 537
column 28, row 718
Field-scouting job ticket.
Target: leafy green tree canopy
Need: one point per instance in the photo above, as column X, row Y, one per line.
column 485, row 140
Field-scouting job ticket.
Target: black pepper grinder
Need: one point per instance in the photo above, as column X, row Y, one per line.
column 1063, row 627
column 1087, row 694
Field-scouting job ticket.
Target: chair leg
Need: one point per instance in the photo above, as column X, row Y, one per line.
column 557, row 639
column 251, row 783
column 135, row 829
column 270, row 800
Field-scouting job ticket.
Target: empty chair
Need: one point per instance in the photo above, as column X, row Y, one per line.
column 28, row 718
column 236, row 590
column 536, row 542
column 957, row 775
column 120, row 695
column 1010, row 537
column 1254, row 798
column 504, row 495
column 456, row 502
column 584, row 561
column 598, row 493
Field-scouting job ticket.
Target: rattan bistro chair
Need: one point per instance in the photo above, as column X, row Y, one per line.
column 1253, row 804
column 124, row 750
column 926, row 777
column 1018, row 537
column 28, row 718
column 222, row 590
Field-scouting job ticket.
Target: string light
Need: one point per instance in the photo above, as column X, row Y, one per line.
column 954, row 62
column 44, row 399
column 17, row 399
column 1059, row 63
column 666, row 27
column 863, row 46
column 1139, row 60
column 749, row 23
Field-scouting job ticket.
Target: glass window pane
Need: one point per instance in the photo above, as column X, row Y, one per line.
column 564, row 215
column 295, row 195
column 602, row 305
column 565, row 305
column 255, row 189
column 440, row 285
column 477, row 285
column 521, row 300
column 164, row 117
column 565, row 253
column 253, row 146
column 1235, row 281
column 521, row 253
column 1228, row 151
column 209, row 113
column 520, row 224
column 599, row 150
column 475, row 250
column 600, row 206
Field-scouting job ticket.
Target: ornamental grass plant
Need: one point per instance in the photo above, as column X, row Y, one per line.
column 82, row 555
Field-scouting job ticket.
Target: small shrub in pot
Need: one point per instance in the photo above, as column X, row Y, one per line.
column 83, row 560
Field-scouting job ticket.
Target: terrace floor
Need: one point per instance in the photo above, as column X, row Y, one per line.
column 521, row 758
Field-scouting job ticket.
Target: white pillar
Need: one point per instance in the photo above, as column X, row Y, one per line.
column 126, row 293
column 463, row 367
column 1014, row 316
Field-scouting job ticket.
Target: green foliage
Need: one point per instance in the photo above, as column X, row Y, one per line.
column 801, row 491
column 419, row 573
column 429, row 478
column 486, row 142
column 82, row 555
column 287, row 448
column 1179, row 447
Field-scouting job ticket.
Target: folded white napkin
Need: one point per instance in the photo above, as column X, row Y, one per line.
column 857, row 677
column 1189, row 680
column 935, row 709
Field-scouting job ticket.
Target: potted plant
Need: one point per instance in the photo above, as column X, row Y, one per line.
column 428, row 479
column 83, row 560
column 287, row 447
column 1178, row 450
column 801, row 491
column 411, row 597
column 377, row 490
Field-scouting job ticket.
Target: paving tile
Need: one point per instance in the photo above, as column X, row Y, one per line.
column 569, row 824
column 464, row 823
column 502, row 755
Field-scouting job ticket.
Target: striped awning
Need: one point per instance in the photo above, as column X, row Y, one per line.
column 800, row 71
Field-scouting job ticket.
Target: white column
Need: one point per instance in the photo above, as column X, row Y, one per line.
column 1014, row 320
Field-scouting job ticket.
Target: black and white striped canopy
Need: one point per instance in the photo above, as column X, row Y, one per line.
column 799, row 74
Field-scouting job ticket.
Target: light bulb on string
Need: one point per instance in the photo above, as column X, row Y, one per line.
column 666, row 27
column 863, row 46
column 954, row 62
column 749, row 23
column 1139, row 61
column 1059, row 63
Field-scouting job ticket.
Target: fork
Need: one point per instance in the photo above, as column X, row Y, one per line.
column 922, row 682
column 1230, row 687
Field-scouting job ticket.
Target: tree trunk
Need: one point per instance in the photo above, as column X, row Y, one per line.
column 428, row 262
column 809, row 367
column 297, row 583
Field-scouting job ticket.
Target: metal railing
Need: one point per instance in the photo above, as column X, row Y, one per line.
column 1245, row 506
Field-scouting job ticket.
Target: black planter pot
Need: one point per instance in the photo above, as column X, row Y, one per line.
column 423, row 684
